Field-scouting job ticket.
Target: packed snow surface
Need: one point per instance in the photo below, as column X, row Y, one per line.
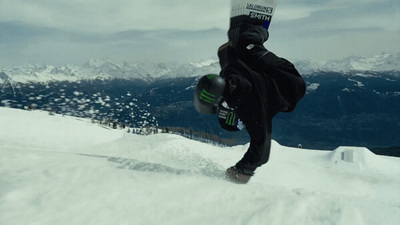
column 64, row 170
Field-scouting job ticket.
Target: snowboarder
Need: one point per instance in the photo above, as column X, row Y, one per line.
column 252, row 87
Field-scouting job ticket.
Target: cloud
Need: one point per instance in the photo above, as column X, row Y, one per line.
column 117, row 15
column 344, row 13
column 74, row 31
column 323, row 21
column 22, row 43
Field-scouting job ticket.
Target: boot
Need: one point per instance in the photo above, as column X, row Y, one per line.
column 237, row 175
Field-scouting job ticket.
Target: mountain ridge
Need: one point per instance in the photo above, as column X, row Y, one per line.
column 106, row 69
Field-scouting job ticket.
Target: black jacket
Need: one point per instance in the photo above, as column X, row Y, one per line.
column 265, row 85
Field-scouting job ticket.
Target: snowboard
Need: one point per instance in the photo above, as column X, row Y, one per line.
column 256, row 12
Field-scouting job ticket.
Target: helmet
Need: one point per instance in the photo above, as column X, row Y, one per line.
column 208, row 93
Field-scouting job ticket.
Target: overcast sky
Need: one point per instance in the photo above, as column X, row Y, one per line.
column 74, row 31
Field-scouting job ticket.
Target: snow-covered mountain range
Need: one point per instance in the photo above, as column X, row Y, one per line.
column 380, row 63
column 105, row 69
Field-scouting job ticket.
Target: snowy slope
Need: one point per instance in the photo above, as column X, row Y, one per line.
column 65, row 170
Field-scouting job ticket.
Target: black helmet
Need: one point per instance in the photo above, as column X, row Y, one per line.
column 208, row 92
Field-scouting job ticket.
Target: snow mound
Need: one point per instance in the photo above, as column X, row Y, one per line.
column 359, row 159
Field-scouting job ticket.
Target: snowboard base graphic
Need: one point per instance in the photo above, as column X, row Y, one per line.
column 256, row 12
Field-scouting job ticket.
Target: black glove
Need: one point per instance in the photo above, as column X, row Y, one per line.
column 226, row 55
column 228, row 118
column 251, row 34
column 248, row 44
column 237, row 88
